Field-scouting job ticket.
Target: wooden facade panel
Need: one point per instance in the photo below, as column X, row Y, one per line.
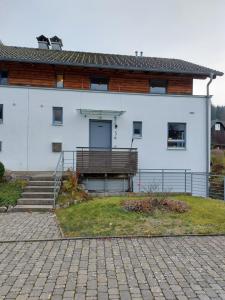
column 119, row 84
column 180, row 86
column 39, row 75
column 75, row 81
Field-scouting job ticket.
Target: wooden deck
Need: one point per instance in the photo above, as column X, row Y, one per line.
column 107, row 161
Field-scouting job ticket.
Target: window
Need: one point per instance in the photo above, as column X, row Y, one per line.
column 137, row 129
column 59, row 81
column 158, row 86
column 176, row 135
column 99, row 84
column 1, row 113
column 57, row 115
column 3, row 77
column 57, row 147
column 0, row 146
column 217, row 126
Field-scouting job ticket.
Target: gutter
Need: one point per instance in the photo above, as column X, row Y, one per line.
column 208, row 107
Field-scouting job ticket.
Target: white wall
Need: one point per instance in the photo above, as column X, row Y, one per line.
column 27, row 131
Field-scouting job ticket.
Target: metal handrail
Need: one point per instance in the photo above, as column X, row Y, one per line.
column 57, row 175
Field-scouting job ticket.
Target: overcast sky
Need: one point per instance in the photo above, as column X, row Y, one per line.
column 192, row 30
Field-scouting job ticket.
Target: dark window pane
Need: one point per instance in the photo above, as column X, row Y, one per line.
column 158, row 86
column 99, row 84
column 137, row 128
column 56, row 147
column 0, row 146
column 4, row 77
column 57, row 115
column 59, row 81
column 176, row 135
column 1, row 113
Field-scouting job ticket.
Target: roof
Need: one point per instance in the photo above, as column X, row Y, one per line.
column 216, row 121
column 101, row 60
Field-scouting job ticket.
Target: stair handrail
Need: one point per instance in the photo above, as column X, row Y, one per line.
column 57, row 175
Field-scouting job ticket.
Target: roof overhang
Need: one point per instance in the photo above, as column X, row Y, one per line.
column 100, row 113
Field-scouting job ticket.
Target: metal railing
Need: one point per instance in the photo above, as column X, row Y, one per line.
column 180, row 181
column 152, row 180
column 58, row 174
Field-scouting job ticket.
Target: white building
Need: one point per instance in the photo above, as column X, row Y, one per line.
column 53, row 100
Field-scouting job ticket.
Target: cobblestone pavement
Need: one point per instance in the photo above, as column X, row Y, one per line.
column 150, row 268
column 26, row 226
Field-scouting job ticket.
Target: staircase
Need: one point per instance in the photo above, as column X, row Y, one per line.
column 38, row 195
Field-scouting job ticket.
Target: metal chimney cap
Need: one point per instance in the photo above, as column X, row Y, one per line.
column 43, row 38
column 56, row 39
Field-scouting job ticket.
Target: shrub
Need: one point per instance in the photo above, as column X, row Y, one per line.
column 2, row 171
column 176, row 206
column 72, row 191
column 144, row 205
column 150, row 204
column 10, row 192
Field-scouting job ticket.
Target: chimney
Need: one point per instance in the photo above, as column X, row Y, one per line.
column 141, row 53
column 43, row 42
column 56, row 43
column 136, row 53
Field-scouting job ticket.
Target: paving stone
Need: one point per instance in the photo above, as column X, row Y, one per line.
column 125, row 269
column 25, row 226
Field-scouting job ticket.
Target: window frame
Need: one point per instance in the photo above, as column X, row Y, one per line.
column 217, row 127
column 54, row 144
column 99, row 78
column 135, row 135
column 59, row 87
column 159, row 80
column 1, row 118
column 54, row 122
column 7, row 77
column 177, row 141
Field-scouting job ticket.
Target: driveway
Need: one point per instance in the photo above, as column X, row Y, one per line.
column 138, row 268
column 26, row 226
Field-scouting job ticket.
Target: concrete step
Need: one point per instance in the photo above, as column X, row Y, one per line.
column 28, row 208
column 42, row 178
column 41, row 183
column 38, row 195
column 35, row 201
column 31, row 188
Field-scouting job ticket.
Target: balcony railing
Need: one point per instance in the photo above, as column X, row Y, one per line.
column 108, row 161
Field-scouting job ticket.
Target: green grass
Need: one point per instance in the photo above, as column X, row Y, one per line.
column 10, row 192
column 106, row 217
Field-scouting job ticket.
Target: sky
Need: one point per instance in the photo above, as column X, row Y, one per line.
column 192, row 30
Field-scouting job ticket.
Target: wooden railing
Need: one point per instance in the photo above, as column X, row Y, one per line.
column 102, row 160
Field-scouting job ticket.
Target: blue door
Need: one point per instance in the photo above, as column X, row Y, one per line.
column 100, row 134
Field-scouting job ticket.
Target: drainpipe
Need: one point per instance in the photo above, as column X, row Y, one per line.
column 208, row 107
column 208, row 144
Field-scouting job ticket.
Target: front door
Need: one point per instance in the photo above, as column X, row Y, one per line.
column 100, row 134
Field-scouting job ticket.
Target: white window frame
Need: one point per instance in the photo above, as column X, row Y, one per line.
column 184, row 141
column 137, row 136
column 1, row 119
column 54, row 122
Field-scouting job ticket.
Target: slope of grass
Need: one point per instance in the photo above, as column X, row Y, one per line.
column 10, row 192
column 106, row 217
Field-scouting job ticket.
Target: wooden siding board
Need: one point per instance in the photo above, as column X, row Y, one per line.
column 79, row 78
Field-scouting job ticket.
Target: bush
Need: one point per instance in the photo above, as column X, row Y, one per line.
column 2, row 171
column 10, row 192
column 176, row 206
column 150, row 204
column 72, row 192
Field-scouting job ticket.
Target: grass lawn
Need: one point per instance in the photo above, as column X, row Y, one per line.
column 10, row 192
column 106, row 217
